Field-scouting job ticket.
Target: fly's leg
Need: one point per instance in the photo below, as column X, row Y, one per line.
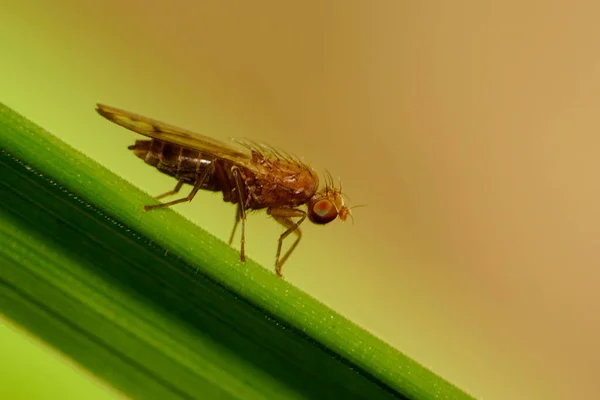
column 171, row 192
column 284, row 217
column 241, row 214
column 235, row 224
column 189, row 197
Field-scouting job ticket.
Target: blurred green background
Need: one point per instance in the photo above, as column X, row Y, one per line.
column 470, row 131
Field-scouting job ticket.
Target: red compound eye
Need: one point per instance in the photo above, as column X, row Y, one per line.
column 322, row 211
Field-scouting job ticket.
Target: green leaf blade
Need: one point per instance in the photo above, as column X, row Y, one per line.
column 163, row 303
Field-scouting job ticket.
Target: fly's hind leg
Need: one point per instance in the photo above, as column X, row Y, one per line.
column 235, row 224
column 170, row 192
column 284, row 217
column 241, row 212
column 197, row 185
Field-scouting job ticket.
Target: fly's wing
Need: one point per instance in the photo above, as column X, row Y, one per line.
column 169, row 133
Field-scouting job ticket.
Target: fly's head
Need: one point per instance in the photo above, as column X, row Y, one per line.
column 328, row 204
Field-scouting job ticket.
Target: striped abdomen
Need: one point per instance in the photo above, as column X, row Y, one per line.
column 182, row 163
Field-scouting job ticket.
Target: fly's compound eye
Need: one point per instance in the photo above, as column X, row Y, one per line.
column 322, row 211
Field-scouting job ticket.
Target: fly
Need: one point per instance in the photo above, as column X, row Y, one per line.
column 254, row 177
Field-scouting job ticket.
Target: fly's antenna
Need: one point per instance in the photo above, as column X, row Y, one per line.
column 353, row 207
column 341, row 192
column 351, row 217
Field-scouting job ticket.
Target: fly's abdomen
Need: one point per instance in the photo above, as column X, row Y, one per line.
column 182, row 163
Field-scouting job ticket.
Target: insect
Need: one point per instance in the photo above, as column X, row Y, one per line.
column 253, row 177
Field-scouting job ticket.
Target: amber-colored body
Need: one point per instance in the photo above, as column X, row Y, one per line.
column 254, row 178
column 267, row 184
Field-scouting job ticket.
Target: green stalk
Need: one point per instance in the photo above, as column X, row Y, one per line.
column 159, row 308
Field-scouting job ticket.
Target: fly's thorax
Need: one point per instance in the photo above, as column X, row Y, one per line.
column 281, row 185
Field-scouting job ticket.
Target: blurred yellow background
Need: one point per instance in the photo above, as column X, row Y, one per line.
column 471, row 131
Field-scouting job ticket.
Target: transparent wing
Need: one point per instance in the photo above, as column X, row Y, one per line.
column 169, row 133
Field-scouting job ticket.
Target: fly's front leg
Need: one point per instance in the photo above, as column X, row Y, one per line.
column 199, row 182
column 241, row 214
column 284, row 217
column 171, row 192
